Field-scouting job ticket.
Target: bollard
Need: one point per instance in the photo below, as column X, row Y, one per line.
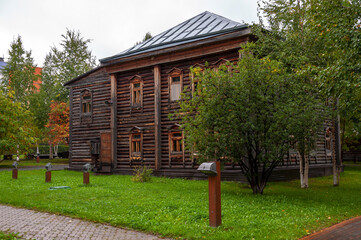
column 48, row 176
column 48, row 168
column 15, row 169
column 85, row 177
column 37, row 158
column 15, row 173
column 86, row 169
column 213, row 171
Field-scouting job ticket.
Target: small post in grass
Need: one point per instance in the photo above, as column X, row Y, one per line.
column 15, row 170
column 213, row 171
column 37, row 157
column 48, row 168
column 86, row 169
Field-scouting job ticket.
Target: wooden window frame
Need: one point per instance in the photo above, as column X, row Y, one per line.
column 88, row 103
column 175, row 72
column 194, row 81
column 133, row 81
column 220, row 62
column 175, row 129
column 136, row 155
column 328, row 142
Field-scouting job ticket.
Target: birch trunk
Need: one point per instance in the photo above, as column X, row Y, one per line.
column 50, row 151
column 306, row 171
column 301, row 172
column 335, row 172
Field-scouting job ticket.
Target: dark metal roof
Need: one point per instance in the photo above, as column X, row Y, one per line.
column 202, row 26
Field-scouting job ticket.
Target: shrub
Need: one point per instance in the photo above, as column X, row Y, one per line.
column 142, row 174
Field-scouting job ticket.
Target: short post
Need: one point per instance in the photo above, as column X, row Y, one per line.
column 37, row 157
column 15, row 170
column 213, row 170
column 48, row 168
column 86, row 169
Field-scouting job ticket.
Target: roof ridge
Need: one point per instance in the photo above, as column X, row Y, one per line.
column 202, row 25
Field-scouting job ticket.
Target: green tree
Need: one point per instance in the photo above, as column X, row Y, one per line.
column 321, row 38
column 16, row 127
column 18, row 74
column 61, row 65
column 246, row 116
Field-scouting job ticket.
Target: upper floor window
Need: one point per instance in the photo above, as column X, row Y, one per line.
column 222, row 62
column 328, row 141
column 86, row 102
column 136, row 92
column 175, row 83
column 197, row 70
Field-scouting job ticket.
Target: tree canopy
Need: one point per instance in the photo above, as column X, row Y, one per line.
column 61, row 65
column 17, row 131
column 246, row 115
column 322, row 38
column 19, row 73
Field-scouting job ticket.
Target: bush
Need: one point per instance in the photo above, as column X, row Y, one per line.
column 142, row 174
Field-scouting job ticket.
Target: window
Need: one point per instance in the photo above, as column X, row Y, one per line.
column 328, row 141
column 175, row 77
column 197, row 70
column 176, row 143
column 86, row 103
column 136, row 144
column 222, row 62
column 136, row 92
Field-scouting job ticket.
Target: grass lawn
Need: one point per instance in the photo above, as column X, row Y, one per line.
column 9, row 236
column 178, row 208
column 32, row 162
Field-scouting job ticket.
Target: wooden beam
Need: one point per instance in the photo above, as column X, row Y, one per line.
column 178, row 53
column 157, row 116
column 113, row 118
column 71, row 127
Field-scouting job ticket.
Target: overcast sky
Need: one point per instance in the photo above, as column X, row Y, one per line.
column 113, row 25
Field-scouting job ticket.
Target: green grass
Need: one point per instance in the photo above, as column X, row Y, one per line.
column 179, row 208
column 32, row 162
column 8, row 236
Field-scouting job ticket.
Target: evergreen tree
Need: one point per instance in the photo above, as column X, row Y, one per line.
column 18, row 74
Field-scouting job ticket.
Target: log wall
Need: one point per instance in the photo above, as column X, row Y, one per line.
column 85, row 130
column 144, row 118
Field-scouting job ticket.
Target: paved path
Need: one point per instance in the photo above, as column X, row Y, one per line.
column 21, row 168
column 40, row 226
column 346, row 230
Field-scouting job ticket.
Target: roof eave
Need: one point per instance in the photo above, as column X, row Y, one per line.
column 182, row 41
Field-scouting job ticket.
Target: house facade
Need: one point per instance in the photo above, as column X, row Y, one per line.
column 119, row 110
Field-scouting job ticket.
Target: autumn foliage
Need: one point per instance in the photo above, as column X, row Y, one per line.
column 58, row 124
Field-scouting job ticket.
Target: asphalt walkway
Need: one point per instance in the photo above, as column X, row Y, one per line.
column 30, row 224
column 54, row 167
column 346, row 230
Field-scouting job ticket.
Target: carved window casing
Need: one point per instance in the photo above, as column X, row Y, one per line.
column 328, row 142
column 175, row 83
column 216, row 65
column 176, row 144
column 136, row 144
column 198, row 68
column 86, row 104
column 136, row 92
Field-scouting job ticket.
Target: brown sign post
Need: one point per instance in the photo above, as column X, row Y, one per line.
column 213, row 170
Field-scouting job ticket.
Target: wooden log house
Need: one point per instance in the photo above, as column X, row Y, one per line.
column 119, row 110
